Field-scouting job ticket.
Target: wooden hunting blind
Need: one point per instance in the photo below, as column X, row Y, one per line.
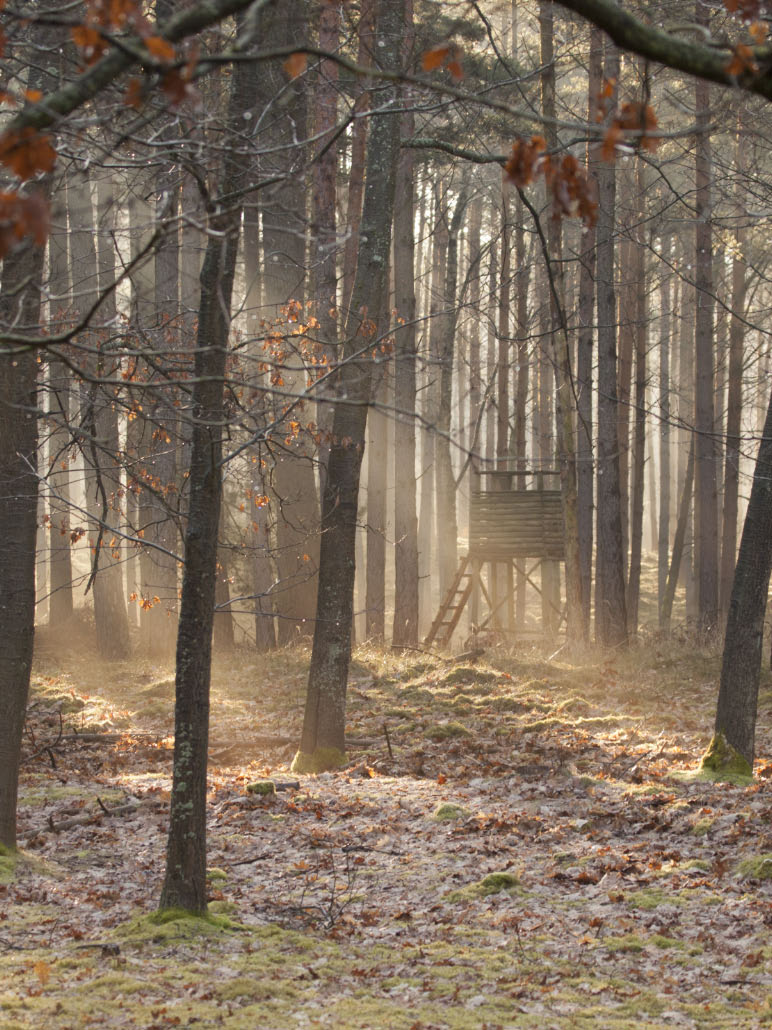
column 507, row 526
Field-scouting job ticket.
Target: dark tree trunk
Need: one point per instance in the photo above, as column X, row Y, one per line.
column 584, row 349
column 741, row 666
column 405, row 629
column 185, row 879
column 706, row 514
column 610, row 609
column 447, row 521
column 284, row 258
column 322, row 743
column 663, row 543
column 19, row 310
column 60, row 605
column 638, row 310
column 735, row 387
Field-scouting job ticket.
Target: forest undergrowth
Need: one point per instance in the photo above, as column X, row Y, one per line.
column 515, row 842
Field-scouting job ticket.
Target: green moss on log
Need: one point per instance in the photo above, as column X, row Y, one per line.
column 262, row 787
column 321, row 760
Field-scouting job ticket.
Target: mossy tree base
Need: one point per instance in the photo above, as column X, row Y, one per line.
column 722, row 762
column 323, row 759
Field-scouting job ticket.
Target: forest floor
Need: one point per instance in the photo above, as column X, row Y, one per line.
column 529, row 848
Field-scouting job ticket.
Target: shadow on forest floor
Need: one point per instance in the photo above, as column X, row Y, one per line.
column 508, row 847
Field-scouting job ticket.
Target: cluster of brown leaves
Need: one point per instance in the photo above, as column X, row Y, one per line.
column 26, row 153
column 446, row 55
column 573, row 192
column 22, row 216
column 633, row 117
column 748, row 10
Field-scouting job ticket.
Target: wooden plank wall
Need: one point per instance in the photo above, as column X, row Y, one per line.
column 517, row 524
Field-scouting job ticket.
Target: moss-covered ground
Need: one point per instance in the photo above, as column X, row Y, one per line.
column 581, row 885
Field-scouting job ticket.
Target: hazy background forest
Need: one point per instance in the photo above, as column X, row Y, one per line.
column 337, row 340
column 130, row 200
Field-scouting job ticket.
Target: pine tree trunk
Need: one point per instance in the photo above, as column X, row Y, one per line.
column 706, row 525
column 735, row 386
column 741, row 664
column 638, row 309
column 322, row 742
column 663, row 542
column 585, row 348
column 60, row 605
column 447, row 520
column 406, row 610
column 185, row 878
column 19, row 309
column 610, row 609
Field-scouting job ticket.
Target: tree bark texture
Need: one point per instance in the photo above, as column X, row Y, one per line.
column 20, row 309
column 185, row 877
column 610, row 608
column 741, row 664
column 323, row 737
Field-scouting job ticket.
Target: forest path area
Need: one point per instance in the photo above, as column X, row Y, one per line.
column 516, row 842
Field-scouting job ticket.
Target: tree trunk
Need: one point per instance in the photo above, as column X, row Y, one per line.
column 447, row 521
column 585, row 347
column 20, row 309
column 60, row 604
column 406, row 612
column 638, row 268
column 735, row 385
column 560, row 353
column 706, row 525
column 663, row 542
column 741, row 665
column 610, row 608
column 185, row 878
column 323, row 743
column 284, row 236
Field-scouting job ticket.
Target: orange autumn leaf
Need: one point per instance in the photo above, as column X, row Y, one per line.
column 295, row 65
column 456, row 71
column 134, row 96
column 435, row 58
column 526, row 160
column 758, row 31
column 22, row 216
column 160, row 48
column 26, row 153
column 33, row 95
column 607, row 89
column 742, row 61
column 89, row 41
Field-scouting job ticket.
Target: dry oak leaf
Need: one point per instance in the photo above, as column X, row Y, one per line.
column 22, row 216
column 742, row 61
column 295, row 65
column 160, row 48
column 526, row 161
column 89, row 41
column 26, row 153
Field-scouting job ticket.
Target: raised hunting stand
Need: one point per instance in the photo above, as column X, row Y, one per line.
column 506, row 528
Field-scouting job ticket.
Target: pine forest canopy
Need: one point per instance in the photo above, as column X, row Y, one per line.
column 280, row 278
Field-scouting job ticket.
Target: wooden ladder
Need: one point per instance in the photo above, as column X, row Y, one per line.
column 455, row 600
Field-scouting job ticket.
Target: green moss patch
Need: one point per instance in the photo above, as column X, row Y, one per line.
column 493, row 883
column 447, row 731
column 323, row 759
column 722, row 762
column 757, row 867
column 263, row 788
column 447, row 812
